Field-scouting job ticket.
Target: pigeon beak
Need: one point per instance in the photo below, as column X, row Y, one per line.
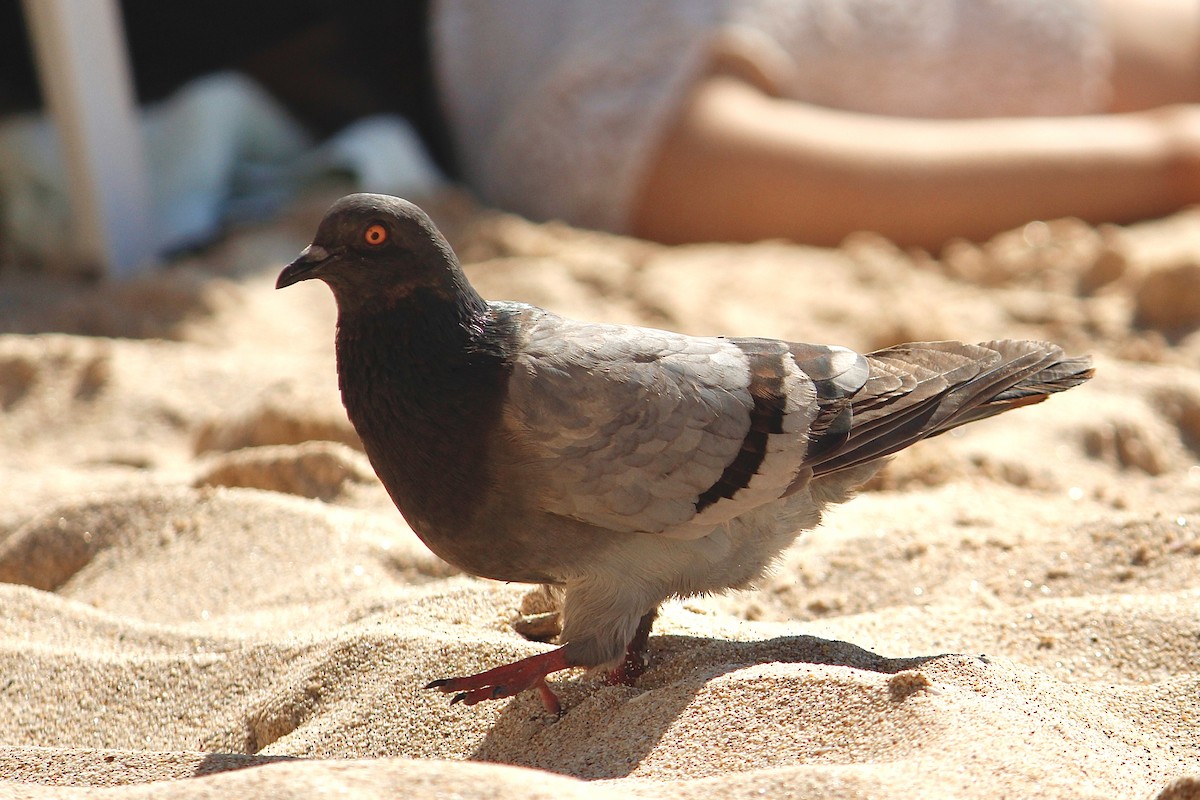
column 306, row 266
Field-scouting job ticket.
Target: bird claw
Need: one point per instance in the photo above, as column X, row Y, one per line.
column 473, row 696
column 507, row 681
column 479, row 695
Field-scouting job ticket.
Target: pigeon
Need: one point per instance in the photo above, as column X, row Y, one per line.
column 619, row 466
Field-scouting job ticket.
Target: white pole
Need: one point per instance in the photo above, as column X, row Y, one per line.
column 84, row 71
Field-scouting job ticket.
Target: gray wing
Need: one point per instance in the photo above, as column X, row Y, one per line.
column 648, row 430
column 652, row 431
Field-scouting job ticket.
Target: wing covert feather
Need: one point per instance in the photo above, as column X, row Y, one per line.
column 634, row 422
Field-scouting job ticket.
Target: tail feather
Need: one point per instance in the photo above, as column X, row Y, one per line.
column 1056, row 377
column 920, row 390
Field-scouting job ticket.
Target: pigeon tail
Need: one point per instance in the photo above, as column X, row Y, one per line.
column 955, row 384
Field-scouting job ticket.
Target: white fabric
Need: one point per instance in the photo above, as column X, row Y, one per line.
column 557, row 105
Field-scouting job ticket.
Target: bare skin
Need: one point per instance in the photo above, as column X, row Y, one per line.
column 741, row 164
column 1156, row 52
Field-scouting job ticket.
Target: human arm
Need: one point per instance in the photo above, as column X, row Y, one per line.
column 739, row 164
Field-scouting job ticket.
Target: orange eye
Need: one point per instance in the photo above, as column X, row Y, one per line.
column 375, row 235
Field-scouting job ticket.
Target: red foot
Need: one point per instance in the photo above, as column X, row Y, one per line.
column 628, row 671
column 634, row 664
column 508, row 680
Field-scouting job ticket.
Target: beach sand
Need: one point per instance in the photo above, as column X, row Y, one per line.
column 206, row 592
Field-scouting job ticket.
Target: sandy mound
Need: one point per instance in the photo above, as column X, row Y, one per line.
column 207, row 593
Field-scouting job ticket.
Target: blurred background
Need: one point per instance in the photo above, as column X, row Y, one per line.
column 232, row 99
column 329, row 63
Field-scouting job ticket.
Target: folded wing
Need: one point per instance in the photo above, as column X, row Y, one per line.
column 657, row 432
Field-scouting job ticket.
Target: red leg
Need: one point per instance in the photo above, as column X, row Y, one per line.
column 629, row 670
column 508, row 680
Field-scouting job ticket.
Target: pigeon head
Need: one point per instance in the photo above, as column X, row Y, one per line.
column 375, row 249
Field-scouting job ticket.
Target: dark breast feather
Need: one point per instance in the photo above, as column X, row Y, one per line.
column 424, row 386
